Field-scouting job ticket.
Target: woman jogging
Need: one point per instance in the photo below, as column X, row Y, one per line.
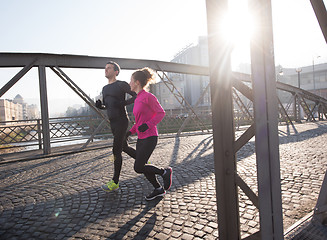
column 148, row 113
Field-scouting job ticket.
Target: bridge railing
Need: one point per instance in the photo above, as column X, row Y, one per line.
column 27, row 134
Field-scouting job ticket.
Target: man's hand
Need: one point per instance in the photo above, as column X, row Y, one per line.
column 98, row 104
column 127, row 135
column 143, row 127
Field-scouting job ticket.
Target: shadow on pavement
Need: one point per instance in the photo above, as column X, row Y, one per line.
column 145, row 230
column 39, row 208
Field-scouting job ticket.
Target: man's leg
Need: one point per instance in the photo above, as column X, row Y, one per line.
column 118, row 127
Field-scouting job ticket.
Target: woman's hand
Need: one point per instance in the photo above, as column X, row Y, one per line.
column 143, row 127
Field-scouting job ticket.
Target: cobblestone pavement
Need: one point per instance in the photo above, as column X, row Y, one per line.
column 61, row 198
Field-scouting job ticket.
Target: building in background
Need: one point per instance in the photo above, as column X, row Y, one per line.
column 19, row 100
column 17, row 109
column 190, row 86
column 311, row 78
column 10, row 111
column 32, row 112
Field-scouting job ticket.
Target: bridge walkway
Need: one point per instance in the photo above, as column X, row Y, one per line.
column 59, row 197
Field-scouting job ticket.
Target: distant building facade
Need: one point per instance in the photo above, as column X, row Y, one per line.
column 17, row 109
column 32, row 112
column 310, row 78
column 10, row 111
column 190, row 86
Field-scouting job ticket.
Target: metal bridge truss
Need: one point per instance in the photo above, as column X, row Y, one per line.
column 226, row 181
column 86, row 99
column 312, row 105
column 56, row 63
column 265, row 127
column 183, row 103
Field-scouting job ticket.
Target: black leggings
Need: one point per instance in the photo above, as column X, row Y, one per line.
column 119, row 127
column 144, row 149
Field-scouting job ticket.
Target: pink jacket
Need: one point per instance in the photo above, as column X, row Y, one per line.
column 147, row 110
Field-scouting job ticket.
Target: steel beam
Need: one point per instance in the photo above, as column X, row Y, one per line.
column 241, row 105
column 179, row 97
column 188, row 118
column 266, row 122
column 70, row 83
column 247, row 191
column 284, row 112
column 320, row 211
column 78, row 61
column 242, row 88
column 244, row 138
column 222, row 123
column 101, row 125
column 15, row 79
column 321, row 14
column 44, row 110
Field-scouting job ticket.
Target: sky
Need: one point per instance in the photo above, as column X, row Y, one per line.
column 140, row 29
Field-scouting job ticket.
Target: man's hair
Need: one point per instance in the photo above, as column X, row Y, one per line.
column 116, row 66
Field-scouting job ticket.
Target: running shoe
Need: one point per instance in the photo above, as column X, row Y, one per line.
column 167, row 178
column 110, row 186
column 156, row 193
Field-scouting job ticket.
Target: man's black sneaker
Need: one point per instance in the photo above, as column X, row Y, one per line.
column 167, row 178
column 156, row 193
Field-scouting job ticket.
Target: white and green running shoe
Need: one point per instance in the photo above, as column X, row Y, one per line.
column 110, row 186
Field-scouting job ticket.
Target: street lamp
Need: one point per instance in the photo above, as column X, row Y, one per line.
column 298, row 70
column 297, row 109
column 280, row 73
column 313, row 72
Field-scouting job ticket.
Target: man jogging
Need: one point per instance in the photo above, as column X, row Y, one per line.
column 114, row 102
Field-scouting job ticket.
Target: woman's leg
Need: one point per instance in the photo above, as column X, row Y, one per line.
column 144, row 149
column 129, row 150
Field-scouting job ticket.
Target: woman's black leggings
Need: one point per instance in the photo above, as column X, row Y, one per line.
column 144, row 149
column 119, row 127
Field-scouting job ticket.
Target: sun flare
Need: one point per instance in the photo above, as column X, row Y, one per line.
column 237, row 25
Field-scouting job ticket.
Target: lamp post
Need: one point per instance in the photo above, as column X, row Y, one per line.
column 280, row 73
column 297, row 109
column 298, row 70
column 313, row 72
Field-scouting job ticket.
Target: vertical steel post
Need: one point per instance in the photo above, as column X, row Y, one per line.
column 39, row 133
column 266, row 122
column 222, row 122
column 44, row 110
column 313, row 75
column 295, row 113
column 321, row 206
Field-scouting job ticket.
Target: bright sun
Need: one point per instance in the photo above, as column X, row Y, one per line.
column 238, row 26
